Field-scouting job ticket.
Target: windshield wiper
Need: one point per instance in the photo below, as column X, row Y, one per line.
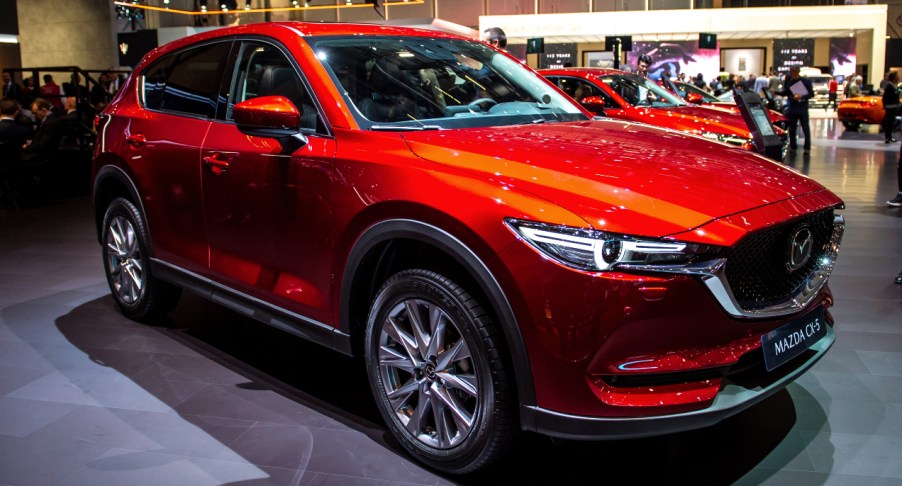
column 404, row 128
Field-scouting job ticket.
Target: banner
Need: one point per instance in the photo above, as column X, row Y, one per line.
column 793, row 52
column 842, row 56
column 558, row 55
column 676, row 57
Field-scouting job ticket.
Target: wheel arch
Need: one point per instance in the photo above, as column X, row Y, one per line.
column 112, row 182
column 393, row 245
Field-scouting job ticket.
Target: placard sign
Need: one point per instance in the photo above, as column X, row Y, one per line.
column 793, row 52
column 558, row 55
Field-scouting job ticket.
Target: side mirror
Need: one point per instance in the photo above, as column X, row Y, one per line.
column 267, row 116
column 594, row 104
column 694, row 98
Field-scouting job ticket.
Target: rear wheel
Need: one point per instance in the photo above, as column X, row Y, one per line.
column 436, row 367
column 127, row 264
column 851, row 125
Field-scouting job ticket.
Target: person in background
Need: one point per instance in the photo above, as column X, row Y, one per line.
column 797, row 112
column 11, row 89
column 48, row 135
column 495, row 37
column 890, row 106
column 52, row 92
column 761, row 83
column 699, row 81
column 12, row 134
column 896, row 202
column 832, row 89
column 855, row 87
column 642, row 65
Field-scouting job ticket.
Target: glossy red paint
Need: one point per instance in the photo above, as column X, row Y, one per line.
column 267, row 111
column 280, row 225
column 695, row 119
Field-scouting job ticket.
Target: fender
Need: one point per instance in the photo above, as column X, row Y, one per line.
column 114, row 172
column 441, row 239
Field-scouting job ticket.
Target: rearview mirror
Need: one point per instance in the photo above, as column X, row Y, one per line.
column 694, row 98
column 594, row 104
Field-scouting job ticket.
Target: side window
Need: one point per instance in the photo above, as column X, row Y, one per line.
column 188, row 81
column 263, row 70
column 154, row 81
column 578, row 89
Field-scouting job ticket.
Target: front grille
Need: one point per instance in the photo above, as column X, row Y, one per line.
column 756, row 267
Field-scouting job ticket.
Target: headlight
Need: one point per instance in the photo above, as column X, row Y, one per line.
column 592, row 250
column 730, row 139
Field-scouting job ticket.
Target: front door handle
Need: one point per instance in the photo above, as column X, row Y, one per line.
column 216, row 165
column 136, row 141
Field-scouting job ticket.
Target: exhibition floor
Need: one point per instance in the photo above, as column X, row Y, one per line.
column 88, row 397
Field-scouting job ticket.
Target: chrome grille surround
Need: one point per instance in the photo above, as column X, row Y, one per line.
column 713, row 274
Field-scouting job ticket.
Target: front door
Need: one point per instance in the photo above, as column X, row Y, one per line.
column 268, row 210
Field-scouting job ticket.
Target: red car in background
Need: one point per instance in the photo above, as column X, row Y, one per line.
column 500, row 260
column 697, row 96
column 624, row 96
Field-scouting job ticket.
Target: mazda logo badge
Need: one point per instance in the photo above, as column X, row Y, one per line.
column 801, row 242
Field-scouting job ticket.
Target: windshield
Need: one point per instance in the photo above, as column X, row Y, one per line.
column 415, row 83
column 639, row 91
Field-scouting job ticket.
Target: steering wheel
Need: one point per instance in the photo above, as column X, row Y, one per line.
column 474, row 106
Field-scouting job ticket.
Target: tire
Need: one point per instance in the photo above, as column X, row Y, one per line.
column 851, row 125
column 449, row 402
column 126, row 262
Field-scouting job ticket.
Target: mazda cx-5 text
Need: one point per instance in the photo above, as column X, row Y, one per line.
column 502, row 261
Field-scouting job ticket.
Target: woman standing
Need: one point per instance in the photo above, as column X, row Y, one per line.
column 890, row 105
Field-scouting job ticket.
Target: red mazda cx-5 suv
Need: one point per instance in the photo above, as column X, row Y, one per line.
column 502, row 261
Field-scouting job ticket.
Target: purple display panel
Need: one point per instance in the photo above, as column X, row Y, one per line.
column 677, row 57
column 842, row 56
column 793, row 52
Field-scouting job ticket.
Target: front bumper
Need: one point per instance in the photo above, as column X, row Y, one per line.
column 734, row 397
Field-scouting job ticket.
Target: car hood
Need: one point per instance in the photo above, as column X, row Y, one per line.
column 617, row 175
column 709, row 118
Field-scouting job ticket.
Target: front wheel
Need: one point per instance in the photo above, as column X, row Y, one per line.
column 436, row 367
column 126, row 261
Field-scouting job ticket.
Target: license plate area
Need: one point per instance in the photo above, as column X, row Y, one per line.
column 793, row 338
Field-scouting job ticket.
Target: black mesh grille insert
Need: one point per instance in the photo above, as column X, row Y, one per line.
column 756, row 266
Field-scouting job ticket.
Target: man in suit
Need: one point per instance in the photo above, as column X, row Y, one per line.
column 799, row 90
column 12, row 134
column 48, row 135
column 10, row 88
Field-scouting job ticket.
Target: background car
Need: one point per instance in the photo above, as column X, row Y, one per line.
column 501, row 261
column 620, row 95
column 854, row 112
column 694, row 95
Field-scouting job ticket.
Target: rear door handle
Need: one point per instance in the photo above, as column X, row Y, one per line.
column 216, row 165
column 136, row 141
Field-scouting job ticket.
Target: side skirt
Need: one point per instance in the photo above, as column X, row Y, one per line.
column 244, row 304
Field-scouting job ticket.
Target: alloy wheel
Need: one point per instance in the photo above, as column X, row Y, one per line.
column 428, row 374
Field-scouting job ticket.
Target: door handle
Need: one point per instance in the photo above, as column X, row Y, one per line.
column 136, row 141
column 216, row 165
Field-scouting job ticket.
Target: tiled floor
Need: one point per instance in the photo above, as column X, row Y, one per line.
column 208, row 397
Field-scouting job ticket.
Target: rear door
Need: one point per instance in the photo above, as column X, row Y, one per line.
column 268, row 209
column 180, row 94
